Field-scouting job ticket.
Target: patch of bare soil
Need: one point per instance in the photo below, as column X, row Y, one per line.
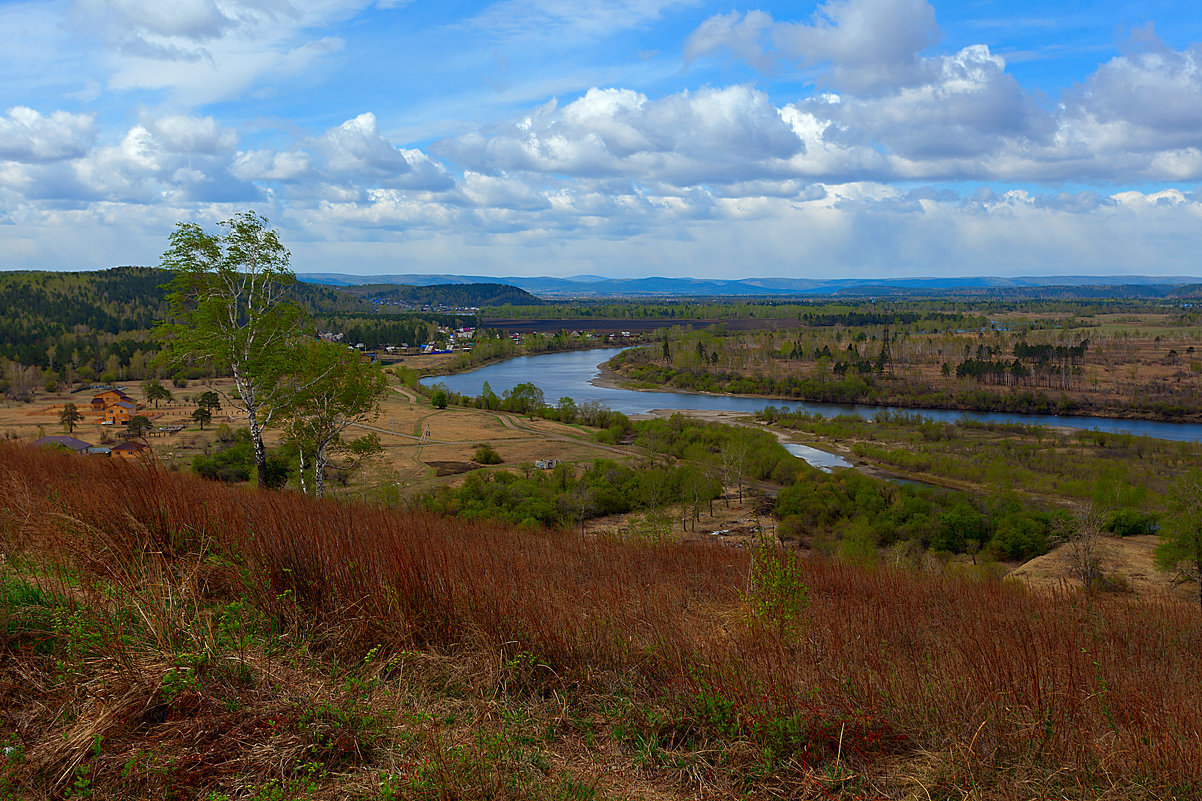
column 452, row 468
column 1127, row 564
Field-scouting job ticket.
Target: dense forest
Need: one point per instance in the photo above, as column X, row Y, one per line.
column 99, row 325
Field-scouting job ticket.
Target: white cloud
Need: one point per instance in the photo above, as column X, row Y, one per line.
column 205, row 50
column 711, row 135
column 27, row 135
column 183, row 134
column 739, row 34
column 862, row 45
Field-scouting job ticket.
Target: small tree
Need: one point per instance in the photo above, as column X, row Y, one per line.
column 69, row 416
column 202, row 416
column 209, row 400
column 155, row 392
column 1083, row 536
column 138, row 426
column 524, row 398
column 775, row 592
column 334, row 390
column 566, row 409
column 1180, row 548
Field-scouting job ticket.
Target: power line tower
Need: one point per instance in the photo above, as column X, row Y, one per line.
column 885, row 359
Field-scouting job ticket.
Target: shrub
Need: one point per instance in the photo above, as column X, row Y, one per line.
column 486, row 454
column 1131, row 523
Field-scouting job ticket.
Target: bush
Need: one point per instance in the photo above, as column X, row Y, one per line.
column 486, row 454
column 1019, row 538
column 1131, row 523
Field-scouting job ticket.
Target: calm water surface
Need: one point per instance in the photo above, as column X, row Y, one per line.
column 570, row 374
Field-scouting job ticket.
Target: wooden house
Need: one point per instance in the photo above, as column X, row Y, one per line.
column 130, row 450
column 110, row 397
column 120, row 413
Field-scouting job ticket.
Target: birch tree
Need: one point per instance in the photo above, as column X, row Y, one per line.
column 333, row 391
column 228, row 307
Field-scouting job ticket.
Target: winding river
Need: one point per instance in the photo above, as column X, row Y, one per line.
column 572, row 374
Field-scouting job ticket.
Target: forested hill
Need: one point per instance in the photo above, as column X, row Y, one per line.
column 449, row 295
column 77, row 311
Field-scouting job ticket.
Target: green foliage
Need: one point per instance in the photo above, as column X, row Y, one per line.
column 1131, row 523
column 863, row 513
column 229, row 307
column 333, row 389
column 486, row 454
column 138, row 426
column 155, row 392
column 209, row 400
column 1180, row 548
column 233, row 461
column 524, row 398
column 202, row 416
column 69, row 416
column 1019, row 537
column 775, row 592
column 562, row 498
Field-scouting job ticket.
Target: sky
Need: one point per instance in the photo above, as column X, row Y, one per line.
column 847, row 138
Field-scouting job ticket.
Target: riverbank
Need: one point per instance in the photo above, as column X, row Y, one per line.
column 449, row 366
column 609, row 378
column 584, row 376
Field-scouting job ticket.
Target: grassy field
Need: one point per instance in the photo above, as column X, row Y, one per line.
column 165, row 637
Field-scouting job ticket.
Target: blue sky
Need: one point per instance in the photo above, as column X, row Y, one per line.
column 624, row 138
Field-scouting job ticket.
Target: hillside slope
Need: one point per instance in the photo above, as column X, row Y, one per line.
column 164, row 637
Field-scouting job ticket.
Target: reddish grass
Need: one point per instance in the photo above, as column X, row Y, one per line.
column 887, row 662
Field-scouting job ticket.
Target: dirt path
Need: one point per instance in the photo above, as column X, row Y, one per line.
column 408, row 393
column 513, row 425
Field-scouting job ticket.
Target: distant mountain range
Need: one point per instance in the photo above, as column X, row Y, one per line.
column 592, row 286
column 465, row 294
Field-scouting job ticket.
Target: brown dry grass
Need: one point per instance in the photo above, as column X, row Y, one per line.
column 321, row 642
column 1128, row 564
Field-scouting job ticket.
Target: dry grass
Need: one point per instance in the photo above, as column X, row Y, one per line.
column 218, row 639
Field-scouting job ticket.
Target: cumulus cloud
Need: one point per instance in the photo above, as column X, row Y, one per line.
column 903, row 112
column 1142, row 110
column 353, row 155
column 711, row 135
column 184, row 134
column 27, row 135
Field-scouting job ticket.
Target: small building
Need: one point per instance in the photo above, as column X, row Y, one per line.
column 546, row 464
column 130, row 450
column 120, row 413
column 64, row 441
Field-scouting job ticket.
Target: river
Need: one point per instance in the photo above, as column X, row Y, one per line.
column 571, row 374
